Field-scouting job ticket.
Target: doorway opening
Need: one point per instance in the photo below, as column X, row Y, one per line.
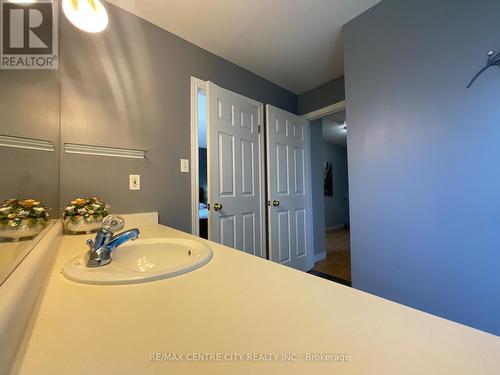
column 199, row 167
column 332, row 224
column 202, row 164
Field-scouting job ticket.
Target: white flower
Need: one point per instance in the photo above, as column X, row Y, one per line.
column 39, row 210
column 5, row 210
column 23, row 214
column 82, row 211
column 70, row 208
column 96, row 206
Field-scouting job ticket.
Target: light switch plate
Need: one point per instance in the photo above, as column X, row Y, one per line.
column 185, row 165
column 134, row 182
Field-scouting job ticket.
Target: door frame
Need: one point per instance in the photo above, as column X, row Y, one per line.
column 325, row 111
column 311, row 116
column 196, row 85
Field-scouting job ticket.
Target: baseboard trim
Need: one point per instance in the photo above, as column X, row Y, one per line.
column 320, row 256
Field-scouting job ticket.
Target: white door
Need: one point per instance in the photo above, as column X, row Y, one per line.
column 235, row 181
column 289, row 189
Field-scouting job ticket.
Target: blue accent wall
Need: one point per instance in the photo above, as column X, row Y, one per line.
column 322, row 96
column 424, row 156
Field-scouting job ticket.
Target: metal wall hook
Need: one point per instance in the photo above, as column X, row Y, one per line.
column 493, row 60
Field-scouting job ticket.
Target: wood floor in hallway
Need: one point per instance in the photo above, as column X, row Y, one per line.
column 338, row 255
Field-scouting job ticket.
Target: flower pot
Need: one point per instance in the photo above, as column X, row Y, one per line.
column 79, row 224
column 28, row 228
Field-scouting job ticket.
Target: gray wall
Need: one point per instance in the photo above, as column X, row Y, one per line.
column 318, row 201
column 321, row 96
column 424, row 171
column 126, row 87
column 336, row 206
column 29, row 107
column 130, row 87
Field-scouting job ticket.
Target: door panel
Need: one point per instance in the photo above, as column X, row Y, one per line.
column 283, row 232
column 227, row 230
column 299, row 168
column 249, row 233
column 289, row 192
column 247, row 168
column 300, row 232
column 226, row 165
column 234, row 147
column 282, row 169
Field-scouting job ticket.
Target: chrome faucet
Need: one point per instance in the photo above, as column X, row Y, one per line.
column 99, row 253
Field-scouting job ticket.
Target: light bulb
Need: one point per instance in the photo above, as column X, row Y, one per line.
column 87, row 15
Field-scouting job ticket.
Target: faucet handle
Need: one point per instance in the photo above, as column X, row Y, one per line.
column 90, row 244
column 113, row 223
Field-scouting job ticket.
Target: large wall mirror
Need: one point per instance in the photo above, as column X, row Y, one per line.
column 29, row 155
column 42, row 132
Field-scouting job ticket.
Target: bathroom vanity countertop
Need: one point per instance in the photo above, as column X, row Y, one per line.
column 234, row 307
column 9, row 251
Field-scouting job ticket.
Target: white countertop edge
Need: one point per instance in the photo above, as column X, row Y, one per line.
column 21, row 293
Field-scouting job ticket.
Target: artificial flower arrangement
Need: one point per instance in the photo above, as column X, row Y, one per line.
column 21, row 218
column 84, row 214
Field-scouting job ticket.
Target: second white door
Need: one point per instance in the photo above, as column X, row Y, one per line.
column 289, row 189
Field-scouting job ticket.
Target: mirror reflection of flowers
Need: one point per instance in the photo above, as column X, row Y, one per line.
column 88, row 209
column 14, row 212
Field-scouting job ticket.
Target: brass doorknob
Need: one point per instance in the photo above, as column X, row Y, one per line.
column 276, row 203
column 217, row 206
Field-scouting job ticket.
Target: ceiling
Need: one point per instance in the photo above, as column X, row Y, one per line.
column 334, row 130
column 296, row 44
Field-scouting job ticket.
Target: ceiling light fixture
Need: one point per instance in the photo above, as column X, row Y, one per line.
column 87, row 15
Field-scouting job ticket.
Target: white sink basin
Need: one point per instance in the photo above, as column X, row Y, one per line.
column 142, row 260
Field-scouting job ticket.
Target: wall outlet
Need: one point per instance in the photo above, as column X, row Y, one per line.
column 185, row 165
column 134, row 182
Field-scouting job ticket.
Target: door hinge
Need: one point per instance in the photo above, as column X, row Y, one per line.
column 259, row 128
column 208, row 206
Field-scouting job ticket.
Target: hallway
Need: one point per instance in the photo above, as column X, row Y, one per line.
column 338, row 255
